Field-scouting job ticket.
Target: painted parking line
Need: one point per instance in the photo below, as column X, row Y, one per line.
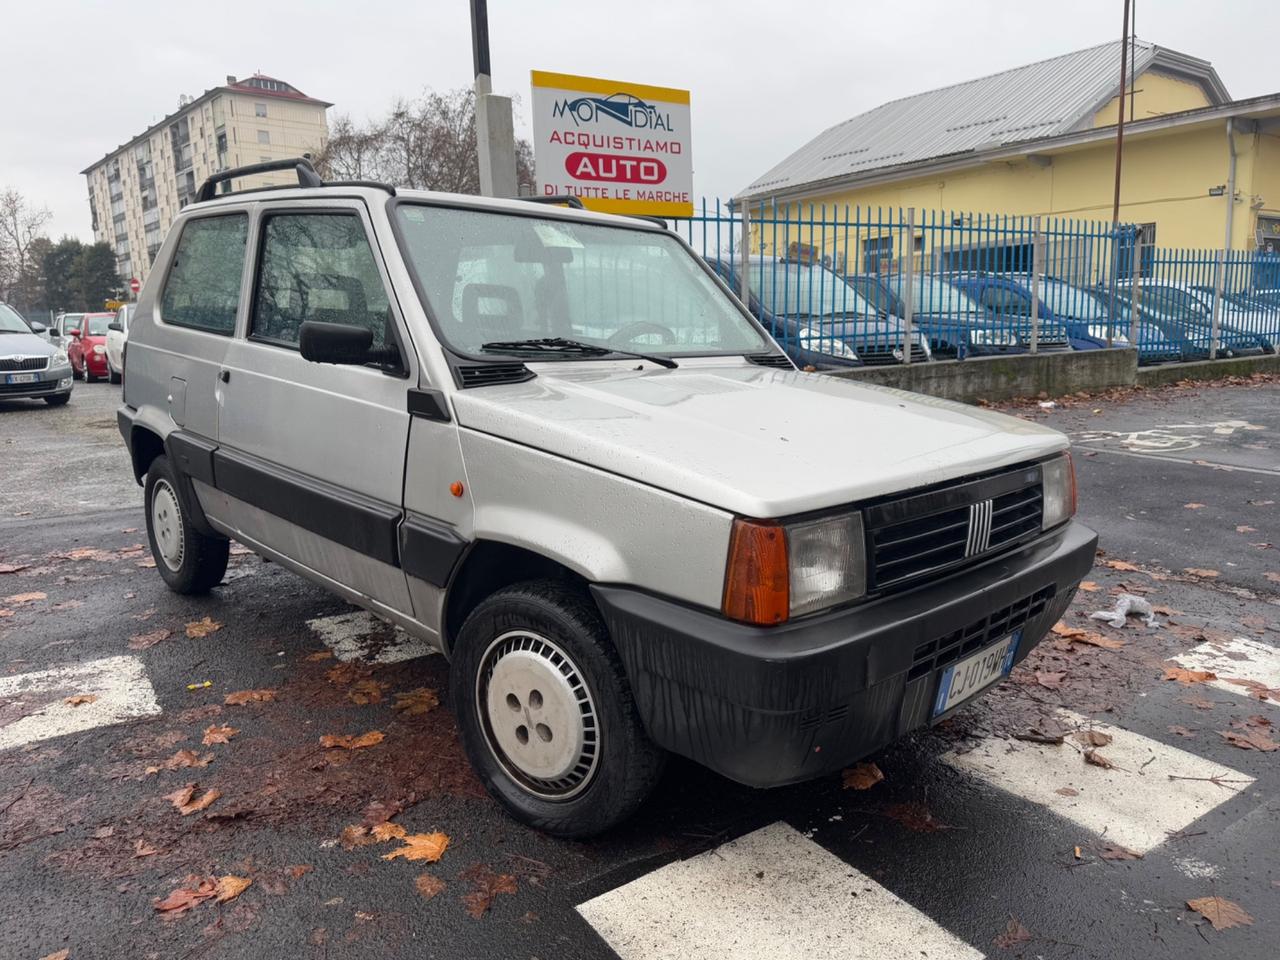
column 362, row 636
column 1136, row 804
column 772, row 893
column 119, row 686
column 1240, row 658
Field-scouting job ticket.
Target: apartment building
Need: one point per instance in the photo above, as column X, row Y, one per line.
column 137, row 189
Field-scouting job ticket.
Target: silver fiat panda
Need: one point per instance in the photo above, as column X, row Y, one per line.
column 555, row 446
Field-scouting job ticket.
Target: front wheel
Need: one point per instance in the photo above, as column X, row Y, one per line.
column 58, row 399
column 188, row 561
column 546, row 712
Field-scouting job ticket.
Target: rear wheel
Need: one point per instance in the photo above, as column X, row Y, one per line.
column 546, row 712
column 112, row 375
column 188, row 561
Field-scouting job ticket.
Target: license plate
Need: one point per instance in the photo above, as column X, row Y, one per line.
column 23, row 378
column 962, row 680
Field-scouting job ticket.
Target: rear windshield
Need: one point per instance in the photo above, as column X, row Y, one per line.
column 98, row 325
column 490, row 278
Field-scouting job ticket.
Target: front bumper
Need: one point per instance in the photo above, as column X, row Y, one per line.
column 49, row 382
column 771, row 705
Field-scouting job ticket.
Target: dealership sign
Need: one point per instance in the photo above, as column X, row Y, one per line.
column 617, row 147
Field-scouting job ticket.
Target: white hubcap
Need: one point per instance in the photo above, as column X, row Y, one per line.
column 166, row 525
column 539, row 719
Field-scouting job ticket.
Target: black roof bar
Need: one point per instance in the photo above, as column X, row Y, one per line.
column 562, row 200
column 307, row 176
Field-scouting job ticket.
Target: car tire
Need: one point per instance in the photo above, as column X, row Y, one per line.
column 546, row 713
column 113, row 376
column 89, row 377
column 189, row 562
column 58, row 399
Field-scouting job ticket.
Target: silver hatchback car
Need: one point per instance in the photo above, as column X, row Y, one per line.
column 554, row 445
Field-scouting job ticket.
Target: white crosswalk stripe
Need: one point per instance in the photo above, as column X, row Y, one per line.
column 770, row 894
column 1239, row 658
column 118, row 686
column 1136, row 804
column 362, row 636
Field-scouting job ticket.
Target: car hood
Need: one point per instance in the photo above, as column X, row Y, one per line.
column 28, row 344
column 754, row 441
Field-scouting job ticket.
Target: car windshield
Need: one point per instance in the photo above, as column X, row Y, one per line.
column 879, row 295
column 935, row 295
column 808, row 290
column 492, row 278
column 98, row 325
column 1169, row 302
column 1064, row 300
column 10, row 321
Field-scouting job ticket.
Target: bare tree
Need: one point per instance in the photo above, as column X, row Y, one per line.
column 20, row 226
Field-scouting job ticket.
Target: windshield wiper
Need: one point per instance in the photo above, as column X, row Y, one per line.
column 564, row 345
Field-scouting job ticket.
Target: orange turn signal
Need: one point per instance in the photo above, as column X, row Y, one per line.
column 1071, row 482
column 757, row 583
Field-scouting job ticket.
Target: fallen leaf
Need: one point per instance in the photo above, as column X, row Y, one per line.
column 1045, row 730
column 1249, row 740
column 202, row 628
column 1245, row 528
column 241, row 697
column 1067, row 792
column 1121, row 565
column 1092, row 738
column 417, row 702
column 1273, row 577
column 1050, row 681
column 1193, row 506
column 1188, row 677
column 5, row 612
column 1096, row 640
column 862, row 776
column 387, row 831
column 1180, row 730
column 428, row 886
column 319, row 655
column 297, row 871
column 366, row 691
column 1015, row 934
column 186, row 803
column 356, row 835
column 181, row 759
column 184, row 898
column 18, row 599
column 1063, row 630
column 1089, row 586
column 13, row 567
column 141, row 641
column 348, row 741
column 1198, row 572
column 1113, row 851
column 1098, row 760
column 1221, row 914
column 1200, row 703
column 61, row 954
column 486, row 886
column 428, row 847
column 1256, row 689
column 230, row 887
column 344, row 673
column 143, row 849
column 218, row 734
column 915, row 816
column 1257, row 720
column 80, row 698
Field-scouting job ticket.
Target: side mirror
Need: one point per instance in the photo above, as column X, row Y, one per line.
column 74, row 332
column 342, row 343
column 38, row 327
column 114, row 325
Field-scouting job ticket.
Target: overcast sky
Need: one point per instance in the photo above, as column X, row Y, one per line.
column 77, row 79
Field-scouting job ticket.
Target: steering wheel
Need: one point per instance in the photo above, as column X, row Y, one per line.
column 639, row 328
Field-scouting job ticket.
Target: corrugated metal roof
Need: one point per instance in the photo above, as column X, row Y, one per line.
column 1041, row 99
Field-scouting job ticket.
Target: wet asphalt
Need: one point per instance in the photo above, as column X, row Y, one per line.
column 88, row 842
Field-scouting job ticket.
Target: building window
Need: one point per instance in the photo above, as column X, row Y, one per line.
column 259, row 109
column 264, row 136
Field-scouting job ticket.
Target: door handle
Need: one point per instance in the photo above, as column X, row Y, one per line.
column 224, row 376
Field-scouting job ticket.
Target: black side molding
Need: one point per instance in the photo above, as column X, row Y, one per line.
column 192, row 455
column 428, row 404
column 362, row 523
column 429, row 548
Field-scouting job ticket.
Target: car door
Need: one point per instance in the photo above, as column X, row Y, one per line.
column 311, row 457
column 71, row 339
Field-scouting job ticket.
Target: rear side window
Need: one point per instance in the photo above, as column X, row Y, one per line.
column 317, row 266
column 202, row 290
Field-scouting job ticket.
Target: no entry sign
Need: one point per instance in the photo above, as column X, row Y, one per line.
column 618, row 147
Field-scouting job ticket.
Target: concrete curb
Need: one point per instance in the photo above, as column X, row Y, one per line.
column 1207, row 370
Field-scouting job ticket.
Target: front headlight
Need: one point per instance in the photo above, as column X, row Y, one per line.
column 99, row 350
column 993, row 338
column 815, row 339
column 775, row 572
column 60, row 358
column 1058, row 488
column 1100, row 331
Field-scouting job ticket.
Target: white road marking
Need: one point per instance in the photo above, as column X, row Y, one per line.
column 120, row 685
column 1136, row 804
column 362, row 636
column 769, row 894
column 1240, row 658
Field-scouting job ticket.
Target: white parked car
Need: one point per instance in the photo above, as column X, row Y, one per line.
column 117, row 337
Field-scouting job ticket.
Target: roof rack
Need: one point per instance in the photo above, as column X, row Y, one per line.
column 560, row 200
column 307, row 177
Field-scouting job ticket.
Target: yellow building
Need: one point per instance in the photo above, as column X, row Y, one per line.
column 1040, row 140
column 137, row 189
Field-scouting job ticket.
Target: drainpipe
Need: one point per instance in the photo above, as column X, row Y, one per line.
column 1226, row 246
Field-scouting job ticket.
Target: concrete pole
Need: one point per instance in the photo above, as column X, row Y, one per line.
column 1225, row 252
column 495, row 130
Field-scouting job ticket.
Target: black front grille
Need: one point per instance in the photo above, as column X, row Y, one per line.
column 880, row 354
column 487, row 374
column 43, row 386
column 23, row 363
column 950, row 525
column 1000, row 623
column 770, row 360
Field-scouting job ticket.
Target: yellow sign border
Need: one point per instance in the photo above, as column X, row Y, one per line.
column 566, row 81
column 654, row 208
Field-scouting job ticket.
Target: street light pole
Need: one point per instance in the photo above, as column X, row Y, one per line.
column 495, row 131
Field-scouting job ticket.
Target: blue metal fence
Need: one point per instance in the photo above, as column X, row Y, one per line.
column 839, row 285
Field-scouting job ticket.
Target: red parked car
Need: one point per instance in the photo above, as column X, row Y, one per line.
column 87, row 346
